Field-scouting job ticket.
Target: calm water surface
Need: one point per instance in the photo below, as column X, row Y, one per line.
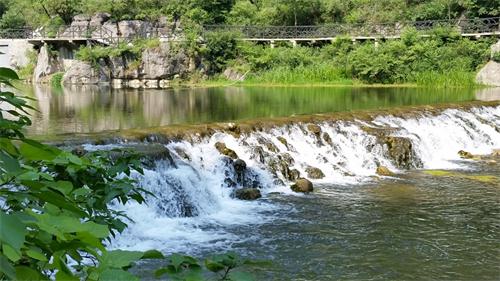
column 93, row 109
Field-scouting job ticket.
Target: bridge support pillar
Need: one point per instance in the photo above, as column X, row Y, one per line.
column 294, row 43
column 272, row 44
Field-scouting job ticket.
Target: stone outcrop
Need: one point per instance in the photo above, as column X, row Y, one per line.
column 489, row 74
column 233, row 75
column 81, row 72
column 248, row 193
column 302, row 185
column 400, row 150
column 46, row 65
column 164, row 63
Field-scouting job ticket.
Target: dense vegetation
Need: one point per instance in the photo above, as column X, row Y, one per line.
column 443, row 59
column 55, row 214
column 15, row 13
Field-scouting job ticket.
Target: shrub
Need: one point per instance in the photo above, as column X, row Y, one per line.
column 56, row 79
column 496, row 57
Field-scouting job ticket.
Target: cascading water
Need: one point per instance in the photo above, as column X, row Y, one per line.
column 194, row 206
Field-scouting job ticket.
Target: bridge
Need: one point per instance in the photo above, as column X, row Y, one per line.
column 475, row 28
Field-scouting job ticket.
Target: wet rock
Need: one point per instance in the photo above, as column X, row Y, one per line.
column 239, row 165
column 489, row 74
column 182, row 153
column 315, row 129
column 79, row 151
column 496, row 153
column 221, row 147
column 465, row 154
column 302, row 185
column 248, row 194
column 283, row 141
column 259, row 154
column 314, row 173
column 327, row 138
column 384, row 171
column 280, row 164
column 293, row 174
column 401, row 152
column 268, row 144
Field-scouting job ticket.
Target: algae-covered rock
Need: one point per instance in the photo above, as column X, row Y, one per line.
column 401, row 152
column 327, row 138
column 293, row 174
column 221, row 147
column 313, row 128
column 465, row 154
column 302, row 185
column 248, row 193
column 314, row 173
column 283, row 141
column 239, row 165
column 384, row 171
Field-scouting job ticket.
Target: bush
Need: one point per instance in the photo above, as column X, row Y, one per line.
column 56, row 79
column 496, row 57
column 220, row 48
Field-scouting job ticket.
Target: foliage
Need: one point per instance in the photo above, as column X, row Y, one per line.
column 182, row 267
column 26, row 72
column 56, row 79
column 496, row 56
column 220, row 48
column 55, row 218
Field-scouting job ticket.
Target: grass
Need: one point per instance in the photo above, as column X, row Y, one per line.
column 452, row 79
column 322, row 73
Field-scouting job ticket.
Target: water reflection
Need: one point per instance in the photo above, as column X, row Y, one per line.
column 93, row 109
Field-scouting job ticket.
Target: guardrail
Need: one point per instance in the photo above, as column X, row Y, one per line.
column 466, row 27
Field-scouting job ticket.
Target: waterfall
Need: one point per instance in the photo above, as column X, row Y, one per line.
column 194, row 206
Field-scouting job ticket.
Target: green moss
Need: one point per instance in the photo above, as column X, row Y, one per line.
column 56, row 79
column 482, row 178
column 438, row 173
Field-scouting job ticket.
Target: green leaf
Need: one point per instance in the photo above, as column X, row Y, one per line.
column 119, row 258
column 10, row 253
column 62, row 276
column 26, row 273
column 116, row 275
column 65, row 187
column 240, row 276
column 29, row 176
column 7, row 268
column 36, row 254
column 152, row 254
column 8, row 73
column 12, row 231
column 213, row 265
column 36, row 151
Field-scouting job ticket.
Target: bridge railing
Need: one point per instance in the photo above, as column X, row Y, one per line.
column 467, row 26
column 111, row 35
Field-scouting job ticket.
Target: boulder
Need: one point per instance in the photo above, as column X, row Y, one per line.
column 293, row 174
column 80, row 20
column 233, row 75
column 221, row 147
column 46, row 65
column 239, row 165
column 99, row 19
column 81, row 72
column 327, row 138
column 248, row 193
column 465, row 154
column 384, row 171
column 314, row 173
column 495, row 48
column 315, row 129
column 160, row 63
column 302, row 185
column 489, row 74
column 401, row 152
column 283, row 141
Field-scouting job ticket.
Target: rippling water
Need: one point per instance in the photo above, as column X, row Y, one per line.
column 419, row 227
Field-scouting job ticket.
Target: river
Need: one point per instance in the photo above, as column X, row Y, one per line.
column 436, row 218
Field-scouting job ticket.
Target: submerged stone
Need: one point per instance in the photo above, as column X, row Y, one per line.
column 314, row 173
column 384, row 171
column 302, row 185
column 248, row 194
